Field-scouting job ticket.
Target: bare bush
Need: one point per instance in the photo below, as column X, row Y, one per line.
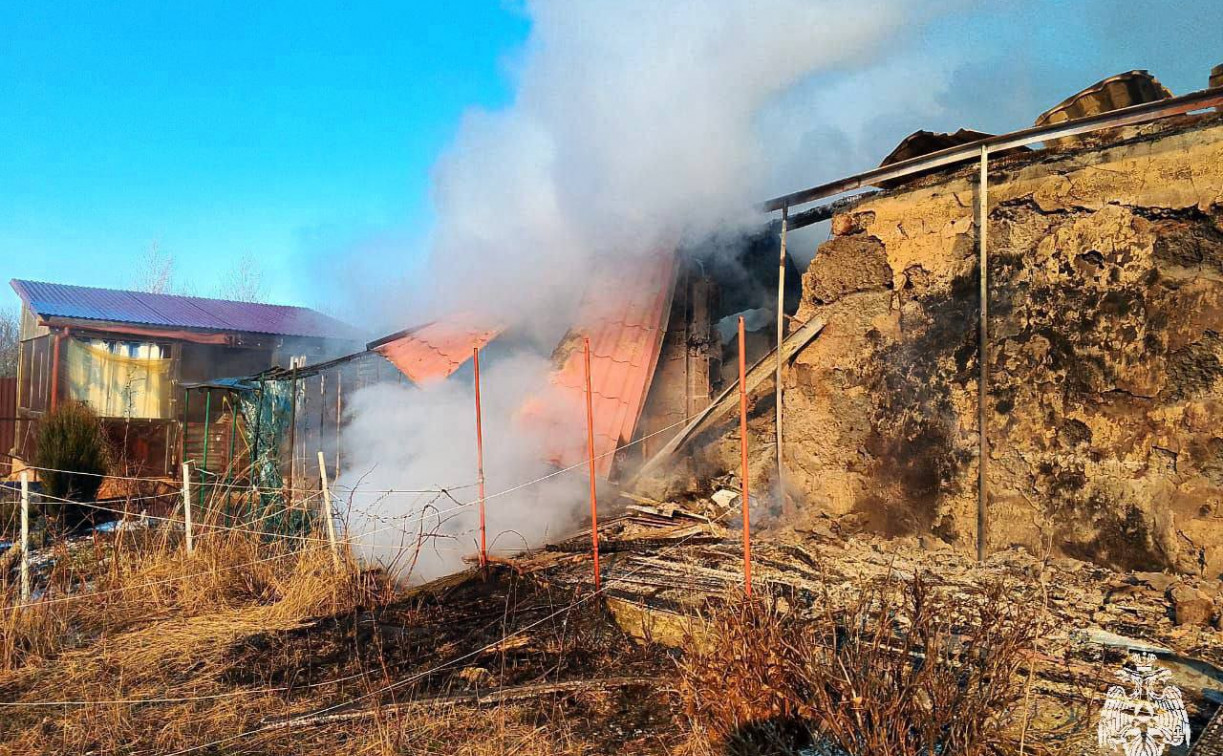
column 904, row 670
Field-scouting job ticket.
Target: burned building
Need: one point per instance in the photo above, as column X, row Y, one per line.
column 657, row 355
column 1104, row 393
column 129, row 354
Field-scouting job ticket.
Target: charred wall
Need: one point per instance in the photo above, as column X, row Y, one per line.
column 1105, row 413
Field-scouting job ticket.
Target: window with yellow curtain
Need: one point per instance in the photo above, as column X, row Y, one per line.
column 127, row 379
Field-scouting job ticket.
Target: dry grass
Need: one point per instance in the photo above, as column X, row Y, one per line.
column 133, row 616
column 903, row 670
column 95, row 591
column 153, row 650
column 168, row 651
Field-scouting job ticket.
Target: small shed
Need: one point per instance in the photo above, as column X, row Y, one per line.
column 127, row 354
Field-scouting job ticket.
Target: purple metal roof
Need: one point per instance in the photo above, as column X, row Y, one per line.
column 50, row 300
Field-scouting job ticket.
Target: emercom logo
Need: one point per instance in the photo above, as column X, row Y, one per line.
column 1144, row 716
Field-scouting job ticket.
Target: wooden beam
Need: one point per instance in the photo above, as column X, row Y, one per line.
column 726, row 402
column 819, row 213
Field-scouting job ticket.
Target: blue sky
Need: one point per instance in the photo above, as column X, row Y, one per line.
column 227, row 128
column 304, row 133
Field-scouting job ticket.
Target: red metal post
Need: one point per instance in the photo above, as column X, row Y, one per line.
column 747, row 533
column 59, row 335
column 590, row 445
column 475, row 361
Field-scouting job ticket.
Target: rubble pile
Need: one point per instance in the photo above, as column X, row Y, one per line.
column 657, row 581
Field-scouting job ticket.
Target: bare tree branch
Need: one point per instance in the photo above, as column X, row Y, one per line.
column 10, row 346
column 244, row 281
column 156, row 270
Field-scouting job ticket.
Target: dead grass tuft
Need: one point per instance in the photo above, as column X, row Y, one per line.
column 901, row 670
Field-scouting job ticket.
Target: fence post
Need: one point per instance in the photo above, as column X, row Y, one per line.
column 983, row 353
column 25, row 536
column 747, row 534
column 590, row 445
column 786, row 509
column 475, row 361
column 187, row 507
column 207, row 432
column 328, row 514
column 339, row 415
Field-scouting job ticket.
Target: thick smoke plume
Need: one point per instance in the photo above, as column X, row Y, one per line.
column 406, row 443
column 634, row 126
column 633, row 130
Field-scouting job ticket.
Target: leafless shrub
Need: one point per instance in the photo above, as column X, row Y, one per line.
column 902, row 670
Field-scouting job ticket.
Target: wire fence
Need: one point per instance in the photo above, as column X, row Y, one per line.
column 564, row 610
column 363, row 539
column 398, row 523
column 624, row 579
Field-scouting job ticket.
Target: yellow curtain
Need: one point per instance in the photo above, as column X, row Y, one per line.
column 123, row 379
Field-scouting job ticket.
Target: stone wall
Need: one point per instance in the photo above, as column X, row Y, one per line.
column 1105, row 413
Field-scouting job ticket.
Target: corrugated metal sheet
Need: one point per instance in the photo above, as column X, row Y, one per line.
column 1113, row 93
column 435, row 351
column 1210, row 741
column 625, row 316
column 50, row 300
column 926, row 142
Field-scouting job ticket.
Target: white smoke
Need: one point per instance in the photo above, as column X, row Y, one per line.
column 410, row 457
column 634, row 128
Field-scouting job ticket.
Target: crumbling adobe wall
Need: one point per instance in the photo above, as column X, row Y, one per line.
column 1105, row 413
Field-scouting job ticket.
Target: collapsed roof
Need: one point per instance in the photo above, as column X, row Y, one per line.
column 623, row 313
column 434, row 351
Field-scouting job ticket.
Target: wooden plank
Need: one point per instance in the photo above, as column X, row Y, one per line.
column 759, row 373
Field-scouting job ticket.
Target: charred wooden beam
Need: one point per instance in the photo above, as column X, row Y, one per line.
column 727, row 400
column 821, row 213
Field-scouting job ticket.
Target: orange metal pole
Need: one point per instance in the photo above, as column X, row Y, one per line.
column 59, row 335
column 747, row 533
column 590, row 445
column 475, row 359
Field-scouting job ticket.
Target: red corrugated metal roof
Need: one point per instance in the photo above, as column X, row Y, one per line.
column 50, row 300
column 435, row 351
column 625, row 315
